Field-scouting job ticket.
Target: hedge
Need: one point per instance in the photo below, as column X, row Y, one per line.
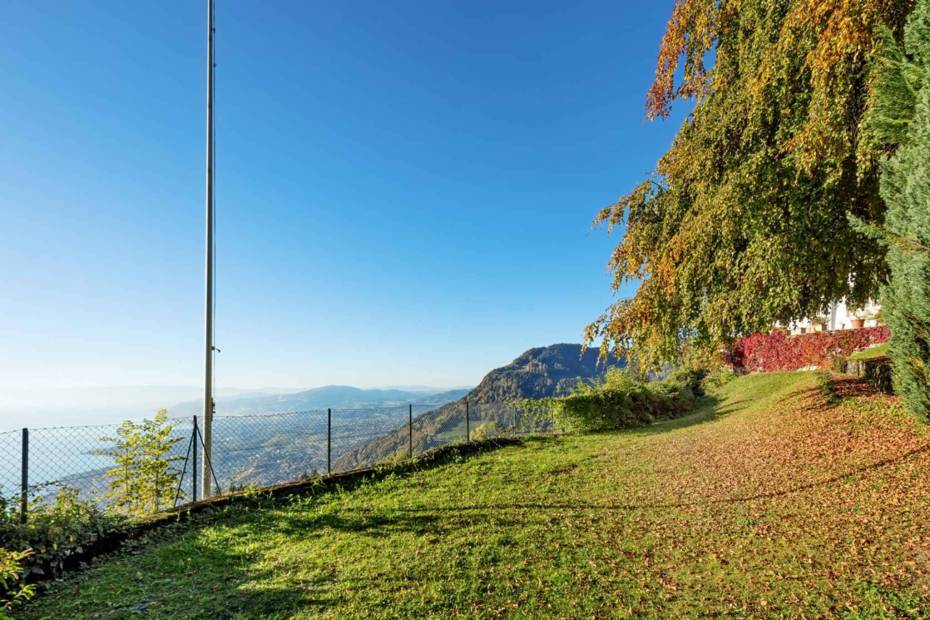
column 778, row 350
column 622, row 400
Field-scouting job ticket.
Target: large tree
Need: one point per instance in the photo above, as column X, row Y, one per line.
column 898, row 121
column 744, row 222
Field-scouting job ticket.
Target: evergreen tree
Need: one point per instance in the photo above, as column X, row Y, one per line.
column 899, row 120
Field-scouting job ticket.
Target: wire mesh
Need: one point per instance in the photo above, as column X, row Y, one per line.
column 83, row 458
column 10, row 464
column 364, row 437
column 446, row 427
column 490, row 420
column 261, row 450
column 507, row 420
column 181, row 434
column 70, row 456
column 257, row 450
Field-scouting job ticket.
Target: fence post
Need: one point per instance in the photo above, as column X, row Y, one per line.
column 410, row 432
column 329, row 441
column 196, row 447
column 467, row 426
column 24, row 481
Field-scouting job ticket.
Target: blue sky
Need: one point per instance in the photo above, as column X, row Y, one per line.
column 405, row 189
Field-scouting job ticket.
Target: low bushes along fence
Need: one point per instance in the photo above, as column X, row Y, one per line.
column 778, row 350
column 64, row 489
column 622, row 400
column 81, row 486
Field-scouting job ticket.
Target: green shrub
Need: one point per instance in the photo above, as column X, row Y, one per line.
column 486, row 430
column 58, row 527
column 691, row 377
column 621, row 400
column 838, row 364
column 60, row 524
column 13, row 592
column 142, row 479
column 827, row 388
column 718, row 378
column 880, row 373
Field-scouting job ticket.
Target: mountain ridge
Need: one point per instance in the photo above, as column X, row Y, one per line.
column 540, row 372
column 327, row 396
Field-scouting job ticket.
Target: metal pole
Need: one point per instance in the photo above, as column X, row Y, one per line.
column 208, row 305
column 410, row 433
column 467, row 426
column 329, row 441
column 208, row 465
column 24, row 490
column 194, row 471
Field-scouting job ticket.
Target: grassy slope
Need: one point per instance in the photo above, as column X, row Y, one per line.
column 766, row 503
column 870, row 353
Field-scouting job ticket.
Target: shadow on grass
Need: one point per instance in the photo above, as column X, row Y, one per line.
column 834, row 390
column 583, row 506
column 188, row 578
column 853, row 387
column 357, row 522
column 248, row 591
column 376, row 523
column 240, row 587
column 705, row 410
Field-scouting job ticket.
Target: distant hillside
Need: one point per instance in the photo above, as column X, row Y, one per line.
column 441, row 398
column 539, row 373
column 334, row 396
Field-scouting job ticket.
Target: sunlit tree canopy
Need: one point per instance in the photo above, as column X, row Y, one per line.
column 744, row 221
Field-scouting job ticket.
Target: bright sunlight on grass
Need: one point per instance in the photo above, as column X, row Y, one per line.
column 765, row 502
column 871, row 353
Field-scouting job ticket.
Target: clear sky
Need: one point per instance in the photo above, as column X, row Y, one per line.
column 405, row 189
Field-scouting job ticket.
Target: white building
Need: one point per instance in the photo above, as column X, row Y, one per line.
column 839, row 317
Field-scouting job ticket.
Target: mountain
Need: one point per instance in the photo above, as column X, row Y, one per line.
column 441, row 398
column 334, row 396
column 367, row 426
column 538, row 373
column 89, row 406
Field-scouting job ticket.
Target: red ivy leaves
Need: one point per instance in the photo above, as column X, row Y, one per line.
column 779, row 351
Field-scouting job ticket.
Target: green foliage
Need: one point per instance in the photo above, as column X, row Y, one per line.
column 486, row 430
column 744, row 221
column 718, row 378
column 13, row 592
column 142, row 480
column 827, row 388
column 900, row 121
column 758, row 505
column 60, row 524
column 878, row 371
column 690, row 378
column 622, row 400
column 870, row 353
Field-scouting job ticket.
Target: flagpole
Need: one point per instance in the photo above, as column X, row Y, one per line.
column 208, row 402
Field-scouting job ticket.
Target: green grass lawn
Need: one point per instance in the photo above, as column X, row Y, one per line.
column 766, row 502
column 875, row 352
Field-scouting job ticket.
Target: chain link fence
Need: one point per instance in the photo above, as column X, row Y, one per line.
column 10, row 464
column 249, row 451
